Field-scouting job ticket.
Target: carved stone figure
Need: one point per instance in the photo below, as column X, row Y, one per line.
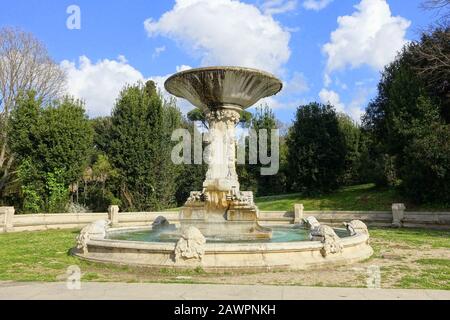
column 248, row 197
column 195, row 196
column 230, row 117
column 191, row 245
column 95, row 230
column 160, row 222
column 331, row 241
column 356, row 227
column 311, row 223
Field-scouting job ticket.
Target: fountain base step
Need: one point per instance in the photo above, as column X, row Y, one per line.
column 236, row 221
column 227, row 230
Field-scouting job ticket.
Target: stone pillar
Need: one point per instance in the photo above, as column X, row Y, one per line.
column 221, row 150
column 298, row 213
column 398, row 212
column 113, row 215
column 2, row 220
column 7, row 216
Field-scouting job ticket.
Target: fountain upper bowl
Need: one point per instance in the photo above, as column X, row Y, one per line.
column 213, row 87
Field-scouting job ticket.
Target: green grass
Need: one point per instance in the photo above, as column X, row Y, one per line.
column 436, row 277
column 435, row 262
column 44, row 256
column 423, row 273
column 436, row 274
column 361, row 197
column 414, row 237
column 35, row 255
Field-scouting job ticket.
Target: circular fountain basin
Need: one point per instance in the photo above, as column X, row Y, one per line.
column 289, row 249
column 223, row 86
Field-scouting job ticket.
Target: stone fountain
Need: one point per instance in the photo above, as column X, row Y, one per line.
column 219, row 228
column 221, row 210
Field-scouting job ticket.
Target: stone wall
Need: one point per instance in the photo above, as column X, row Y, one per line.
column 398, row 217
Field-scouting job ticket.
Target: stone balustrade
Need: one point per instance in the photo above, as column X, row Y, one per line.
column 398, row 217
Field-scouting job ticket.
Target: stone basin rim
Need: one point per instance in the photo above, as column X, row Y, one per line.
column 221, row 246
column 299, row 255
column 221, row 68
column 227, row 247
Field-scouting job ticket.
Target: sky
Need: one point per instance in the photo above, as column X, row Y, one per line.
column 323, row 50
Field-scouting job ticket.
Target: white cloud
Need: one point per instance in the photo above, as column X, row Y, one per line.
column 296, row 85
column 355, row 109
column 327, row 80
column 357, row 106
column 183, row 67
column 341, row 84
column 370, row 36
column 292, row 94
column 316, row 5
column 272, row 7
column 332, row 97
column 270, row 101
column 225, row 32
column 99, row 84
column 182, row 104
column 158, row 51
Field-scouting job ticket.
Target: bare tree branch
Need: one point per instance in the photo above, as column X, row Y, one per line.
column 441, row 7
column 24, row 65
column 433, row 58
column 434, row 4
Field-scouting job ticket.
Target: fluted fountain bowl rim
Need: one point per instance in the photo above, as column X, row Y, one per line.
column 243, row 99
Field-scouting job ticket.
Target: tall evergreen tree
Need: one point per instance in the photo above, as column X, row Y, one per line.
column 192, row 175
column 316, row 149
column 264, row 119
column 408, row 122
column 140, row 148
column 353, row 145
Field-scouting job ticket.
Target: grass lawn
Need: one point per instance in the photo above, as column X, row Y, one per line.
column 407, row 258
column 362, row 197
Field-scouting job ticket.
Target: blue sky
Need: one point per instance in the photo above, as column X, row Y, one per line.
column 301, row 41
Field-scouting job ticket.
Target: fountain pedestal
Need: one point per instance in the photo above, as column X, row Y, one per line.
column 221, row 210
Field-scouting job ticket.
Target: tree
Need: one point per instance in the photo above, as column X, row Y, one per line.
column 264, row 119
column 316, row 150
column 192, row 175
column 409, row 121
column 140, row 148
column 99, row 183
column 426, row 170
column 168, row 173
column 430, row 60
column 52, row 145
column 24, row 65
column 102, row 131
column 441, row 7
column 352, row 137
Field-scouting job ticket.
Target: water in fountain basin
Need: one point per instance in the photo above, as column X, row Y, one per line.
column 280, row 234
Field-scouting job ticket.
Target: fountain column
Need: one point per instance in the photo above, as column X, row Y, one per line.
column 221, row 150
column 221, row 210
